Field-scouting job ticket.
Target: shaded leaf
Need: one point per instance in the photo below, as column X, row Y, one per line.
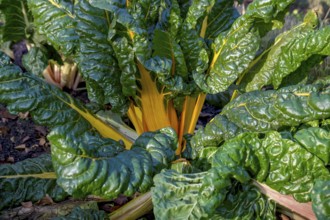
column 273, row 110
column 321, row 199
column 316, row 141
column 234, row 50
column 88, row 164
column 56, row 21
column 29, row 180
column 84, row 214
column 17, row 25
column 98, row 65
column 35, row 61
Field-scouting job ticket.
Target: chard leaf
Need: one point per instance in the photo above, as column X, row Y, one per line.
column 169, row 17
column 88, row 164
column 55, row 20
column 321, row 199
column 316, row 141
column 233, row 51
column 85, row 162
column 175, row 76
column 35, row 61
column 48, row 105
column 187, row 196
column 272, row 160
column 302, row 74
column 17, row 25
column 273, row 110
column 193, row 46
column 97, row 63
column 214, row 133
column 282, row 164
column 220, row 18
column 297, row 43
column 245, row 201
column 28, row 180
column 83, row 214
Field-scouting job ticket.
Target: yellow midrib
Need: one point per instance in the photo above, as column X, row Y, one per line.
column 104, row 129
column 153, row 108
column 46, row 175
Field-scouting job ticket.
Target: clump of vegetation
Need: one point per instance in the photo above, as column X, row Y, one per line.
column 154, row 62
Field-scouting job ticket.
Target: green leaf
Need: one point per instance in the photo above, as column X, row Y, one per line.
column 88, row 164
column 273, row 160
column 96, row 59
column 316, row 141
column 302, row 75
column 187, row 196
column 321, row 199
column 220, row 18
column 55, row 20
column 174, row 75
column 282, row 164
column 245, row 201
column 84, row 214
column 35, row 61
column 274, row 110
column 233, row 51
column 17, row 25
column 213, row 134
column 79, row 152
column 271, row 71
column 28, row 180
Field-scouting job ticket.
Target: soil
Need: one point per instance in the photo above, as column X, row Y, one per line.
column 20, row 138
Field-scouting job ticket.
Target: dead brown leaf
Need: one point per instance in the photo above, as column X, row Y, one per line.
column 42, row 141
column 25, row 139
column 23, row 115
column 47, row 200
column 10, row 159
column 13, row 139
column 20, row 147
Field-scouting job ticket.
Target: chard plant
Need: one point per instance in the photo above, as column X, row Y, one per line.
column 154, row 62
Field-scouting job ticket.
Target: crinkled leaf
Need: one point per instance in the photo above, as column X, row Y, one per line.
column 88, row 164
column 321, row 199
column 187, row 196
column 83, row 214
column 78, row 150
column 193, row 46
column 17, row 20
column 282, row 164
column 55, row 20
column 29, row 180
column 96, row 59
column 48, row 105
column 272, row 71
column 175, row 76
column 288, row 106
column 35, row 61
column 316, row 141
column 233, row 51
column 245, row 201
column 214, row 133
column 302, row 74
column 169, row 17
column 220, row 18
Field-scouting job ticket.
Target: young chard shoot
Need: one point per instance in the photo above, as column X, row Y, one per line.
column 154, row 61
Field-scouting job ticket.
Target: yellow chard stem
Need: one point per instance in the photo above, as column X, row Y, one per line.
column 154, row 113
